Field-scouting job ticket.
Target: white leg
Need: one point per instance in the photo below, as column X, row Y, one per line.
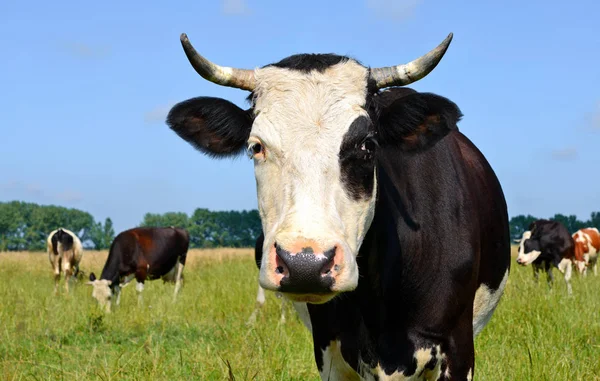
column 596, row 268
column 178, row 279
column 118, row 295
column 568, row 272
column 139, row 287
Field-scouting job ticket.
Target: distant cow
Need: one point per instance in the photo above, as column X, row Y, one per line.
column 587, row 245
column 65, row 252
column 546, row 244
column 143, row 254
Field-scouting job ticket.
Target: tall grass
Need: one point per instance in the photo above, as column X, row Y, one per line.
column 536, row 334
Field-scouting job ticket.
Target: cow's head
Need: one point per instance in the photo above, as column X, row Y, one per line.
column 529, row 249
column 314, row 128
column 102, row 291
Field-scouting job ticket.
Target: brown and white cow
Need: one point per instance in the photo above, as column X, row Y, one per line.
column 548, row 244
column 64, row 252
column 143, row 254
column 383, row 223
column 587, row 245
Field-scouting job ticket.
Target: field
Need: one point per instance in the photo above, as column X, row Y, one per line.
column 536, row 334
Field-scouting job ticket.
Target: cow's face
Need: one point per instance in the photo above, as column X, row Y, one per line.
column 529, row 249
column 313, row 133
column 101, row 291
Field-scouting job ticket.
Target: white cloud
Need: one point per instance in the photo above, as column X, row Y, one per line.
column 565, row 154
column 397, row 10
column 235, row 7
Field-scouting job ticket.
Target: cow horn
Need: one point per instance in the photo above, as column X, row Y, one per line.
column 405, row 74
column 221, row 75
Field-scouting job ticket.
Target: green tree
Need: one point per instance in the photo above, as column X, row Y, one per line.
column 571, row 222
column 594, row 220
column 519, row 224
column 102, row 235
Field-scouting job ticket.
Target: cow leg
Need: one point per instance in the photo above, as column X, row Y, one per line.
column 568, row 272
column 460, row 359
column 178, row 279
column 139, row 287
column 536, row 273
column 260, row 301
column 550, row 277
column 117, row 291
column 68, row 275
column 566, row 267
column 594, row 264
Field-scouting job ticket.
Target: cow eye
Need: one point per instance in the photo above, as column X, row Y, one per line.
column 368, row 145
column 256, row 150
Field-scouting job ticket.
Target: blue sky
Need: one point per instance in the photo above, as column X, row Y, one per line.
column 86, row 87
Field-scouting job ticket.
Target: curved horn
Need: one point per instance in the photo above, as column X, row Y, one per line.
column 221, row 75
column 411, row 72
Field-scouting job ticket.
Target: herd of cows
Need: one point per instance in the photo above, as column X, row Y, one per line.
column 365, row 188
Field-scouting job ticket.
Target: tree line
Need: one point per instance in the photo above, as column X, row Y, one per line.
column 25, row 226
column 520, row 223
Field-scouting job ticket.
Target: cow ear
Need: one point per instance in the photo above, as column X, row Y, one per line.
column 213, row 126
column 417, row 121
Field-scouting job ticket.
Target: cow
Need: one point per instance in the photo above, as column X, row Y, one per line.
column 545, row 244
column 64, row 252
column 587, row 245
column 143, row 254
column 383, row 224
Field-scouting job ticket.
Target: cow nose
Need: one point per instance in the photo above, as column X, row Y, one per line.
column 305, row 272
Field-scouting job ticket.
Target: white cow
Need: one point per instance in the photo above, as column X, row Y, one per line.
column 65, row 252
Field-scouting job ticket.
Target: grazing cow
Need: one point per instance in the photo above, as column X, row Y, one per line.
column 383, row 223
column 143, row 254
column 65, row 252
column 587, row 245
column 546, row 244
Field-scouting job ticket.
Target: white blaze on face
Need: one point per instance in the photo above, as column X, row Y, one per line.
column 526, row 258
column 301, row 119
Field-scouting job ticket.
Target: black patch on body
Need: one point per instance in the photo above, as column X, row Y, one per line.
column 148, row 253
column 410, row 294
column 357, row 165
column 553, row 240
column 64, row 238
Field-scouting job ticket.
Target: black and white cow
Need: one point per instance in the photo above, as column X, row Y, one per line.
column 65, row 252
column 143, row 254
column 383, row 223
column 547, row 244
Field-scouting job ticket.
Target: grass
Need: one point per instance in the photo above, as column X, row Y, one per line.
column 536, row 334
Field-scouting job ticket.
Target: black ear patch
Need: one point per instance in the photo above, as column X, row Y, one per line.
column 417, row 121
column 92, row 277
column 213, row 126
